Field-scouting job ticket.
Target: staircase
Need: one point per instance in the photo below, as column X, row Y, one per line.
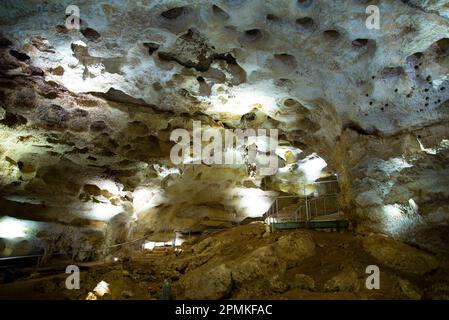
column 150, row 256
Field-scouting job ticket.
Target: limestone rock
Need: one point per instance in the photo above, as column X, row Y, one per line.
column 439, row 291
column 398, row 255
column 369, row 107
column 127, row 294
column 213, row 284
column 260, row 264
column 303, row 282
column 91, row 296
column 346, row 281
column 90, row 34
column 409, row 290
column 59, row 70
column 295, row 247
column 277, row 284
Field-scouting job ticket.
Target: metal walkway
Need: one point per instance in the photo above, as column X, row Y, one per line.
column 317, row 208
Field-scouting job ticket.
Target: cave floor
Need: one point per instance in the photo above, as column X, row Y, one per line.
column 336, row 268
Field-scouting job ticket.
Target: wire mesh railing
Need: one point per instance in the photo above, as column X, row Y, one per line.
column 320, row 199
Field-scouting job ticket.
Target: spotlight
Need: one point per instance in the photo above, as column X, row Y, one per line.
column 12, row 228
column 102, row 288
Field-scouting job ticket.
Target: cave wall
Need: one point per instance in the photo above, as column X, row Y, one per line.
column 86, row 115
column 398, row 185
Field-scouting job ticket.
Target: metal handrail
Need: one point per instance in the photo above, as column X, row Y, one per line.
column 64, row 253
column 309, row 208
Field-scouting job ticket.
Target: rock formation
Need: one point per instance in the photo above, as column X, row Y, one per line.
column 87, row 114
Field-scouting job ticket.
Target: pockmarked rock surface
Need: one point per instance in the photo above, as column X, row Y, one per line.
column 87, row 117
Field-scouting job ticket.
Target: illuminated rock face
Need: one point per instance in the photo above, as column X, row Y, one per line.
column 398, row 185
column 86, row 116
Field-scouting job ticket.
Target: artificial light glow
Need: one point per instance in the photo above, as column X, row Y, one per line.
column 443, row 145
column 439, row 81
column 389, row 166
column 241, row 100
column 392, row 211
column 80, row 43
column 108, row 185
column 399, row 218
column 145, row 198
column 102, row 288
column 74, row 76
column 164, row 171
column 251, row 202
column 150, row 245
column 311, row 167
column 104, row 211
column 430, row 151
column 413, row 205
column 12, row 228
column 288, row 154
column 394, row 219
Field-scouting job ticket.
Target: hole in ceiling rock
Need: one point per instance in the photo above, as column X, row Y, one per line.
column 91, row 34
column 151, row 47
column 286, row 59
column 272, row 17
column 392, row 72
column 253, row 35
column 4, row 42
column 442, row 46
column 331, row 34
column 12, row 120
column 359, row 43
column 303, row 4
column 174, row 13
column 220, row 13
column 306, row 23
column 19, row 55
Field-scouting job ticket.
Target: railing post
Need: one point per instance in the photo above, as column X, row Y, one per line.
column 296, row 216
column 270, row 215
column 277, row 209
column 338, row 202
column 307, row 205
column 324, row 204
column 37, row 264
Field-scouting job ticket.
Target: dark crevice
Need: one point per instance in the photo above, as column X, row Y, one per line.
column 357, row 128
column 13, row 120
